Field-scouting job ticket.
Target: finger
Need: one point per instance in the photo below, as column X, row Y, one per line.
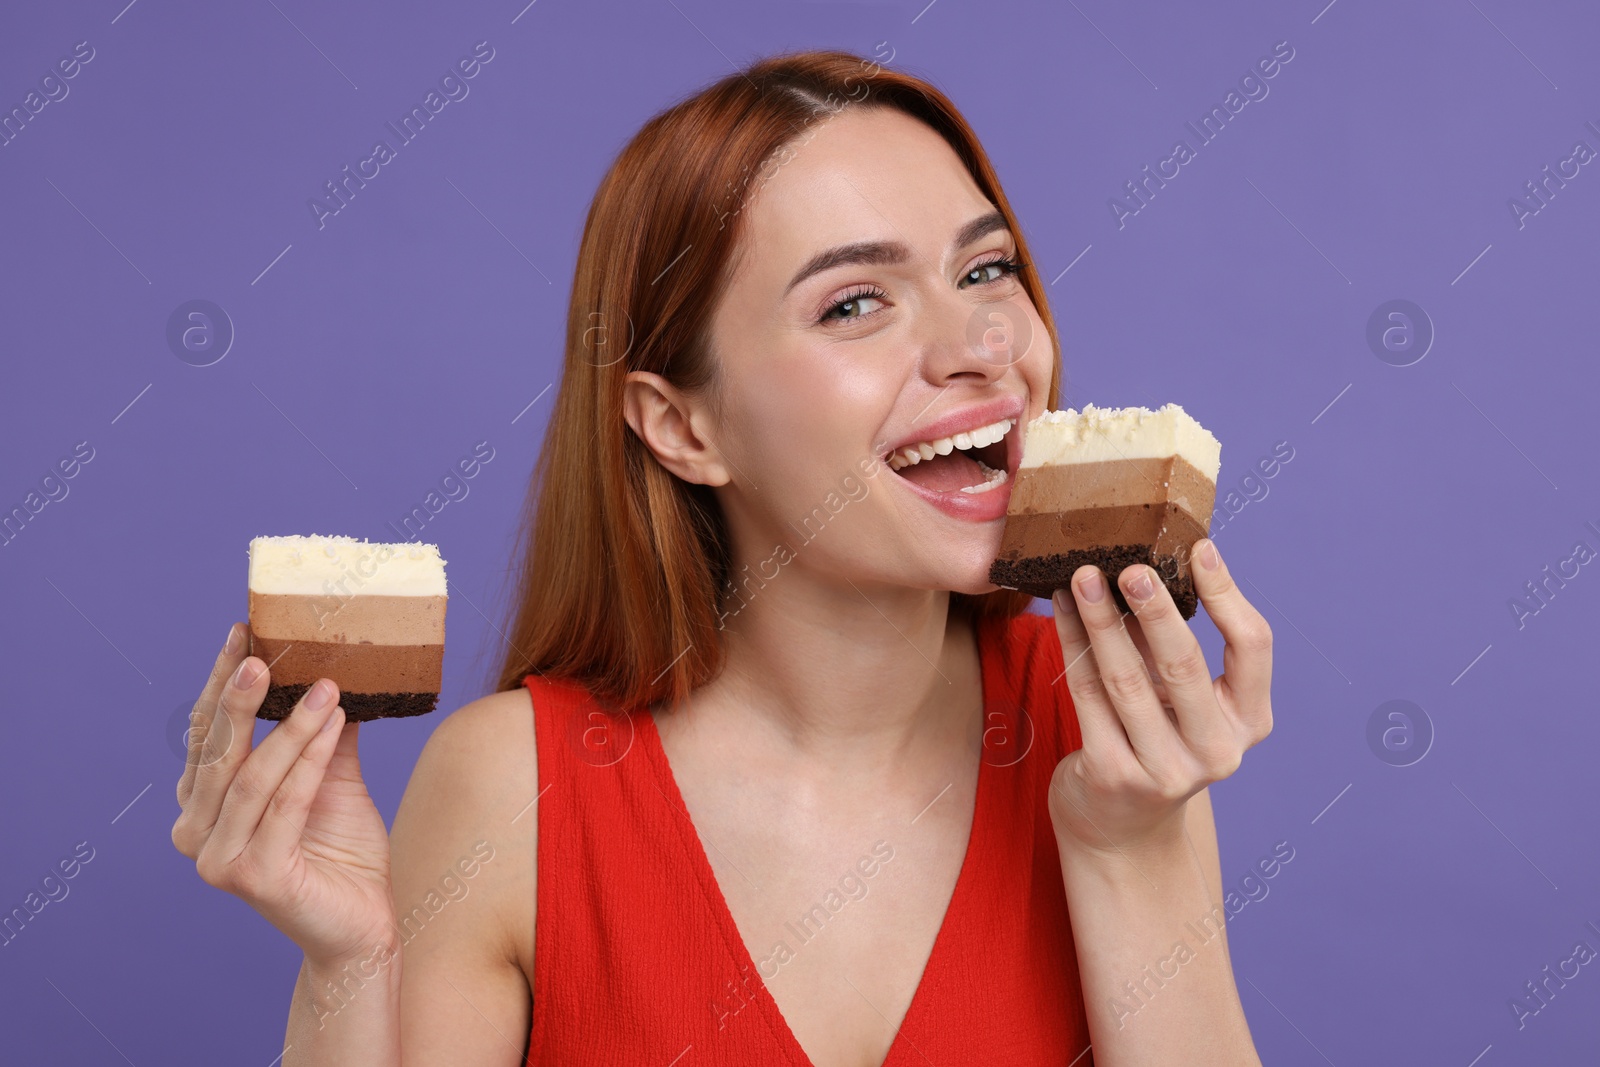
column 1180, row 662
column 227, row 745
column 1140, row 642
column 345, row 766
column 1120, row 672
column 200, row 719
column 1247, row 649
column 281, row 828
column 260, row 777
column 1098, row 724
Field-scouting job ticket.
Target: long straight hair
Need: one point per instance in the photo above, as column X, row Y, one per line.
column 622, row 562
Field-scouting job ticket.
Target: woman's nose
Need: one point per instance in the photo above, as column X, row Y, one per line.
column 984, row 339
column 1000, row 332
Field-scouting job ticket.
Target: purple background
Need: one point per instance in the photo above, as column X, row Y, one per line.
column 427, row 316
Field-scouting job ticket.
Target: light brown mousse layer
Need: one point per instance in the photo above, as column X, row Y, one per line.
column 1065, row 487
column 381, row 620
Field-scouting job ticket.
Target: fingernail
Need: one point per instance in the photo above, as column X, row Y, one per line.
column 1063, row 601
column 326, row 726
column 246, row 675
column 1208, row 556
column 321, row 695
column 1093, row 587
column 1140, row 587
column 234, row 640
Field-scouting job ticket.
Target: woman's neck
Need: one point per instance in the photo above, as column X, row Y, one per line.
column 848, row 675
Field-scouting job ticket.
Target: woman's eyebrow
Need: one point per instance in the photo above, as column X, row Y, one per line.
column 882, row 253
column 981, row 226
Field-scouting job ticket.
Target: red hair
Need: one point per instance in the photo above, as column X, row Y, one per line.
column 622, row 561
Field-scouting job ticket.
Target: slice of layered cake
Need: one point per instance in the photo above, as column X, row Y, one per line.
column 368, row 616
column 1110, row 487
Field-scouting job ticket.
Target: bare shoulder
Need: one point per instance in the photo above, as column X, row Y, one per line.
column 463, row 847
column 492, row 737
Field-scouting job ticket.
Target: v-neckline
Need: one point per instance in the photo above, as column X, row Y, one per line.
column 983, row 629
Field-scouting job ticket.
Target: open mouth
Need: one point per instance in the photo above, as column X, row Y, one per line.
column 972, row 462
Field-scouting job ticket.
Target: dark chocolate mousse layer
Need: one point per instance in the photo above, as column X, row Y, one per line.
column 1158, row 536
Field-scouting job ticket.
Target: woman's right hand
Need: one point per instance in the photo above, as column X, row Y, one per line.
column 288, row 826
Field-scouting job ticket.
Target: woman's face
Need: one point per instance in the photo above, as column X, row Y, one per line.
column 872, row 310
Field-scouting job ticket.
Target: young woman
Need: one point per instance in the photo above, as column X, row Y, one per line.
column 774, row 774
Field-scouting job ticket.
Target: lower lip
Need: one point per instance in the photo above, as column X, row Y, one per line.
column 976, row 507
column 968, row 507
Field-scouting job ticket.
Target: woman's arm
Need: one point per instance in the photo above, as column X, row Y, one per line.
column 1132, row 821
column 1202, row 825
column 450, row 986
column 1152, row 952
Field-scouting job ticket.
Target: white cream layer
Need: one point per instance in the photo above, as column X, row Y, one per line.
column 1098, row 434
column 296, row 565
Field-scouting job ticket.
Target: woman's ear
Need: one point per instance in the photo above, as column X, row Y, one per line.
column 673, row 427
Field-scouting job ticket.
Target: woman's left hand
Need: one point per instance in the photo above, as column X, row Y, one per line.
column 1157, row 728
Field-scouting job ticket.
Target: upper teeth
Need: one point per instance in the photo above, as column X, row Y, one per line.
column 983, row 435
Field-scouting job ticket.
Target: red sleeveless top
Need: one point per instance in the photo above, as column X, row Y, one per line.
column 637, row 959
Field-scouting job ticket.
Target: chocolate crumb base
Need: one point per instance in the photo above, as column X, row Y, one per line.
column 358, row 707
column 1041, row 576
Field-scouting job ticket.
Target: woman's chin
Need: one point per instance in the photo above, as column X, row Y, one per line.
column 971, row 575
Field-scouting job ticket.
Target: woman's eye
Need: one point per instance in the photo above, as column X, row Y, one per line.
column 991, row 272
column 851, row 307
